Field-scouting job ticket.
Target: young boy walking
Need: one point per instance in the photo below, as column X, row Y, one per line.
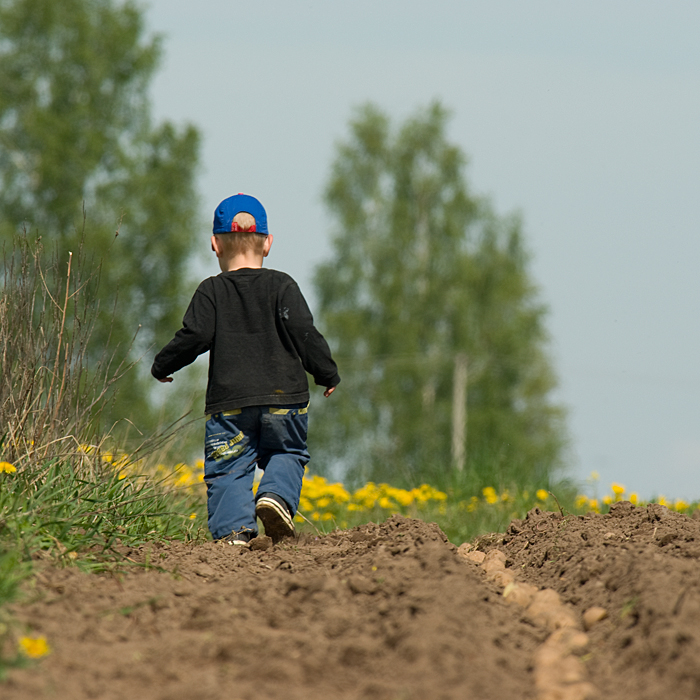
column 261, row 340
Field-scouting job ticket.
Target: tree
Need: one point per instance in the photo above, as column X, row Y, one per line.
column 435, row 322
column 76, row 134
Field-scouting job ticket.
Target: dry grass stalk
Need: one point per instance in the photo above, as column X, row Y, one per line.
column 54, row 383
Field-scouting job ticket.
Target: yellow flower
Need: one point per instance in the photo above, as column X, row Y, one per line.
column 607, row 500
column 184, row 479
column 594, row 476
column 593, row 504
column 618, row 490
column 193, row 516
column 542, row 494
column 327, row 516
column 581, row 501
column 473, row 503
column 490, row 494
column 680, row 505
column 7, row 468
column 34, row 647
column 338, row 493
column 634, row 499
column 662, row 501
column 305, row 504
column 402, row 497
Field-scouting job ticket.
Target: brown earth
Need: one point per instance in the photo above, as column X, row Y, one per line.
column 568, row 608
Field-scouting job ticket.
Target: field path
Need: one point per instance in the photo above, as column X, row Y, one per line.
column 384, row 612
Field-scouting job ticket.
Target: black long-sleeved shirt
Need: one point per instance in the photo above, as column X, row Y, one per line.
column 260, row 335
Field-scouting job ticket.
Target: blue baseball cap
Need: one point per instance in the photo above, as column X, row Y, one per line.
column 223, row 216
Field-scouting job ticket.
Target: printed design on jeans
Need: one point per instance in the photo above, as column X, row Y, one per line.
column 227, row 449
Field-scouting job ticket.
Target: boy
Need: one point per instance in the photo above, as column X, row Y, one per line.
column 260, row 336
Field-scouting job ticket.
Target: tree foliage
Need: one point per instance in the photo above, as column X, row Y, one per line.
column 76, row 136
column 427, row 290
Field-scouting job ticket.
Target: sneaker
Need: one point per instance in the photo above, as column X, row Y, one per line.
column 240, row 539
column 275, row 516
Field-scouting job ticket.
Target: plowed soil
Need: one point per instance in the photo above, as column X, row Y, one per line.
column 574, row 607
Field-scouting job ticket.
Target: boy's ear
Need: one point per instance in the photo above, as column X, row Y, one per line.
column 215, row 246
column 268, row 245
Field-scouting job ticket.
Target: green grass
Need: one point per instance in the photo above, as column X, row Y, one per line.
column 75, row 516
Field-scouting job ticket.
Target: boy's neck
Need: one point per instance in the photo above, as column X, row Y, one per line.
column 239, row 262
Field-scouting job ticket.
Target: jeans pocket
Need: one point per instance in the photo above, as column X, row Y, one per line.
column 285, row 429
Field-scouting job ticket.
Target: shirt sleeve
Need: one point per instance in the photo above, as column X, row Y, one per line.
column 194, row 338
column 311, row 346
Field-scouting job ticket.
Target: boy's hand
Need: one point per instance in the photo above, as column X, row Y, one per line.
column 166, row 380
column 329, row 391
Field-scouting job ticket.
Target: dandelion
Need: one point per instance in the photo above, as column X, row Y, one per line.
column 607, row 500
column 581, row 501
column 402, row 497
column 305, row 503
column 193, row 516
column 542, row 494
column 618, row 490
column 490, row 494
column 593, row 504
column 34, row 647
column 7, row 468
column 680, row 506
column 634, row 499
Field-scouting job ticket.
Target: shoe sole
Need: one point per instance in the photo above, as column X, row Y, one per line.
column 275, row 518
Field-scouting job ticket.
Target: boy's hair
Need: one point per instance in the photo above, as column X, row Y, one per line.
column 242, row 241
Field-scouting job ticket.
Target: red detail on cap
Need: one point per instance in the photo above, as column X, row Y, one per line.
column 234, row 228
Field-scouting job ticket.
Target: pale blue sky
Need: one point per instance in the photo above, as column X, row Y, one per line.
column 582, row 116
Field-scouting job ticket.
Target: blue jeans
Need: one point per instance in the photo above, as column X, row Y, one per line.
column 270, row 437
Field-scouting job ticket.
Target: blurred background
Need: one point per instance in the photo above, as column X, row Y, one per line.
column 578, row 128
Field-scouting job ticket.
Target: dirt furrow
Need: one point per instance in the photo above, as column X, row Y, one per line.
column 391, row 611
